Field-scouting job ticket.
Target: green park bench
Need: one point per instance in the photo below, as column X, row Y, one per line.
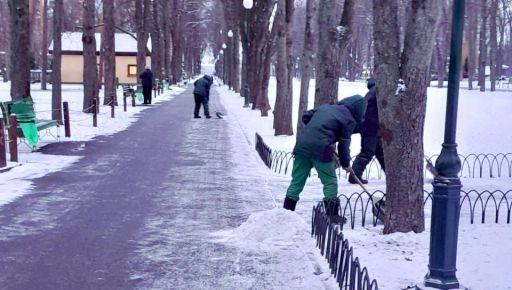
column 29, row 126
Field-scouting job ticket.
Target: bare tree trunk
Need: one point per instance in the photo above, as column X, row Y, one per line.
column 167, row 39
column 282, row 110
column 110, row 51
column 44, row 57
column 19, row 70
column 483, row 45
column 306, row 62
column 177, row 54
column 402, row 111
column 58, row 11
column 90, row 73
column 472, row 41
column 494, row 43
column 156, row 60
column 329, row 57
column 142, row 11
column 326, row 90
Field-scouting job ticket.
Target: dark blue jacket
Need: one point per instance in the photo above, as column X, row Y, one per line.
column 370, row 126
column 327, row 125
column 147, row 78
column 202, row 86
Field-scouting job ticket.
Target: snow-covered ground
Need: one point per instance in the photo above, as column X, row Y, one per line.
column 483, row 122
column 398, row 261
column 16, row 181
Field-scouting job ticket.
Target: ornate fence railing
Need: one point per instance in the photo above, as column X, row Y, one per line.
column 483, row 165
column 345, row 267
column 475, row 206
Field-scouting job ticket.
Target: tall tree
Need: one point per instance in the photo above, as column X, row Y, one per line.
column 44, row 46
column 90, row 73
column 142, row 16
column 493, row 38
column 402, row 109
column 284, row 98
column 329, row 56
column 167, row 39
column 176, row 32
column 306, row 62
column 472, row 36
column 110, row 51
column 19, row 70
column 482, row 57
column 156, row 55
column 58, row 11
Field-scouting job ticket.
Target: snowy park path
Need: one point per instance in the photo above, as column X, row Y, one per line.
column 140, row 211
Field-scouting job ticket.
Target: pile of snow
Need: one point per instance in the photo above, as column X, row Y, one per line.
column 268, row 230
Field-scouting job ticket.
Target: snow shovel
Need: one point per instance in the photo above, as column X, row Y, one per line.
column 377, row 206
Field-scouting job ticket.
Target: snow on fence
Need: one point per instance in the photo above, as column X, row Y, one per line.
column 340, row 256
column 483, row 165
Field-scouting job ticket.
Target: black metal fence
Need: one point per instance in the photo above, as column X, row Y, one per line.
column 475, row 206
column 483, row 165
column 345, row 267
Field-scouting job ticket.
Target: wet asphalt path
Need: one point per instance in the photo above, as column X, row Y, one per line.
column 135, row 212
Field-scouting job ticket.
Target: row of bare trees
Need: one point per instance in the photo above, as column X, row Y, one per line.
column 178, row 30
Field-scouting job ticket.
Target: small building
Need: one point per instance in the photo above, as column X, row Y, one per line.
column 73, row 59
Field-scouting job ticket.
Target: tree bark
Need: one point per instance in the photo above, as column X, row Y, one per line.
column 90, row 73
column 306, row 62
column 283, row 107
column 326, row 90
column 58, row 11
column 402, row 110
column 167, row 39
column 494, row 43
column 156, row 55
column 142, row 12
column 472, row 33
column 483, row 45
column 44, row 57
column 19, row 70
column 177, row 54
column 110, row 52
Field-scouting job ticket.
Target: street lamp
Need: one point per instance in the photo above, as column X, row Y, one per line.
column 231, row 56
column 248, row 4
column 444, row 228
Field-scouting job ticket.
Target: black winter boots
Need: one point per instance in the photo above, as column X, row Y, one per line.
column 332, row 209
column 289, row 204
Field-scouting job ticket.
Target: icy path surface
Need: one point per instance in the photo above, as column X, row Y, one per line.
column 158, row 206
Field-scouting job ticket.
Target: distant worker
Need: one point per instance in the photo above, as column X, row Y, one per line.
column 325, row 126
column 147, row 84
column 371, row 140
column 202, row 95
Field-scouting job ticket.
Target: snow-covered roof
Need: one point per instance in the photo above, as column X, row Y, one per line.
column 72, row 42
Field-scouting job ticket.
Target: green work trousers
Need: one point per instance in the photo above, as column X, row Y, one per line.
column 301, row 170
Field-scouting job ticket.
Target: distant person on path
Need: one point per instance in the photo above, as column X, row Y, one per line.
column 202, row 95
column 325, row 126
column 147, row 84
column 371, row 140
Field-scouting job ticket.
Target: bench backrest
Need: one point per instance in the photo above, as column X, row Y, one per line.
column 22, row 108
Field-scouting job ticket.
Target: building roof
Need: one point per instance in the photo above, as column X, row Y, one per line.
column 72, row 42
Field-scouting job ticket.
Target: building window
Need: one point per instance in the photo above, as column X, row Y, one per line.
column 132, row 70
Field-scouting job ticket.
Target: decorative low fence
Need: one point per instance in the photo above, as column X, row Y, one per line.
column 475, row 206
column 483, row 165
column 345, row 267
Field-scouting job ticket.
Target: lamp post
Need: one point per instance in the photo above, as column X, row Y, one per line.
column 444, row 227
column 248, row 4
column 231, row 59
